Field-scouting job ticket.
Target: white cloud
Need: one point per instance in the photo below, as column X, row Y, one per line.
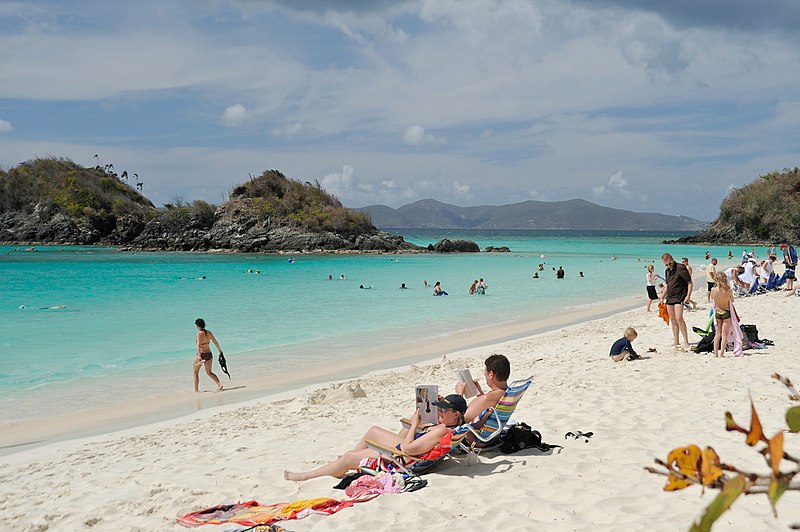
column 5, row 126
column 616, row 180
column 339, row 183
column 416, row 136
column 537, row 195
column 617, row 185
column 461, row 189
column 235, row 115
column 292, row 130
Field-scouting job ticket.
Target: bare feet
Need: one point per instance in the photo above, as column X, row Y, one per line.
column 288, row 475
column 220, row 388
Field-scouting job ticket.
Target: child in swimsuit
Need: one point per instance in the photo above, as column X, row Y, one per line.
column 721, row 295
column 622, row 348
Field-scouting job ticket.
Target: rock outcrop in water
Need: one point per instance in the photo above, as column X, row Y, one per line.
column 454, row 246
column 766, row 211
column 57, row 201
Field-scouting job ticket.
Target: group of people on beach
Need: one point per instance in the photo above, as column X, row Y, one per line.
column 418, row 442
column 751, row 277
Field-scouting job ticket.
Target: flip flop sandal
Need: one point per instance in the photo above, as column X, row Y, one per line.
column 578, row 434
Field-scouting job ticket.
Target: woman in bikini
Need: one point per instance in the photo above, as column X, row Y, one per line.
column 204, row 357
column 721, row 295
column 431, row 444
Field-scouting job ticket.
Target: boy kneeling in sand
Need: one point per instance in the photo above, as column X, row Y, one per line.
column 622, row 348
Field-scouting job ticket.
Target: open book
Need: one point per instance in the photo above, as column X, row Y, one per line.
column 424, row 396
column 465, row 377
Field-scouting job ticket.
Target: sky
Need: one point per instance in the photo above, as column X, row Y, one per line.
column 645, row 105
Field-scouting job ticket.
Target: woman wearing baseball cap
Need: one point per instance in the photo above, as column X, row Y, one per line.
column 429, row 445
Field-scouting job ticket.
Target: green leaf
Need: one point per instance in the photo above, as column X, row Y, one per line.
column 776, row 489
column 730, row 492
column 793, row 418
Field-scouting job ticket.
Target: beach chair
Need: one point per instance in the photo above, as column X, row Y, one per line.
column 709, row 326
column 493, row 420
column 754, row 288
column 394, row 460
column 497, row 418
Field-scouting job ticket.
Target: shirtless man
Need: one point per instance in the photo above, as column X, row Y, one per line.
column 204, row 357
column 496, row 372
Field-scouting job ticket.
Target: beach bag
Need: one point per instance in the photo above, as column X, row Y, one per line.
column 521, row 436
column 706, row 344
column 751, row 332
column 793, row 255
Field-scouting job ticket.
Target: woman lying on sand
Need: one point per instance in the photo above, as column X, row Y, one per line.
column 433, row 443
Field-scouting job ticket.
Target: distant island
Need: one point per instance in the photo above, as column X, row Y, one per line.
column 54, row 200
column 766, row 211
column 575, row 214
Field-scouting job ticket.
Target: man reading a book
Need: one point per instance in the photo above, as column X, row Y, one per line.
column 497, row 371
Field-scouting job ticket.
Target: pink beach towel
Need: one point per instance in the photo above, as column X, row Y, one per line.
column 735, row 334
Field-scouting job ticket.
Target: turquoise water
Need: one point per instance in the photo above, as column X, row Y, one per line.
column 125, row 313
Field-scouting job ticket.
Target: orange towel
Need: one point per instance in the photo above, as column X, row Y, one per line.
column 662, row 313
column 252, row 513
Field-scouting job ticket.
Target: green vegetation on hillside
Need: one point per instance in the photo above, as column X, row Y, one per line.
column 55, row 199
column 284, row 200
column 70, row 188
column 766, row 210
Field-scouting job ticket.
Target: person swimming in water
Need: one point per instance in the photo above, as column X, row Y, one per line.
column 204, row 357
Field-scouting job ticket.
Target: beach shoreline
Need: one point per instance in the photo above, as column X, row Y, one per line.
column 18, row 435
column 638, row 411
column 153, row 405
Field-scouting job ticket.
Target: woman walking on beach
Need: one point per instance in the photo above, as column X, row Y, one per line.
column 204, row 357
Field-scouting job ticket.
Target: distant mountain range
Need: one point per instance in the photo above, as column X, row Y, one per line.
column 572, row 214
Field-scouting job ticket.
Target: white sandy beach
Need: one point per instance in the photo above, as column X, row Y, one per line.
column 143, row 478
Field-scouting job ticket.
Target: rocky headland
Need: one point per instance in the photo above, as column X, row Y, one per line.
column 764, row 212
column 56, row 201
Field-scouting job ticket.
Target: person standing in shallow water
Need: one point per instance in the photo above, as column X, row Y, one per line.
column 204, row 357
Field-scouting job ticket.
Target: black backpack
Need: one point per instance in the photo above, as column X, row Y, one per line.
column 705, row 345
column 521, row 436
column 751, row 333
